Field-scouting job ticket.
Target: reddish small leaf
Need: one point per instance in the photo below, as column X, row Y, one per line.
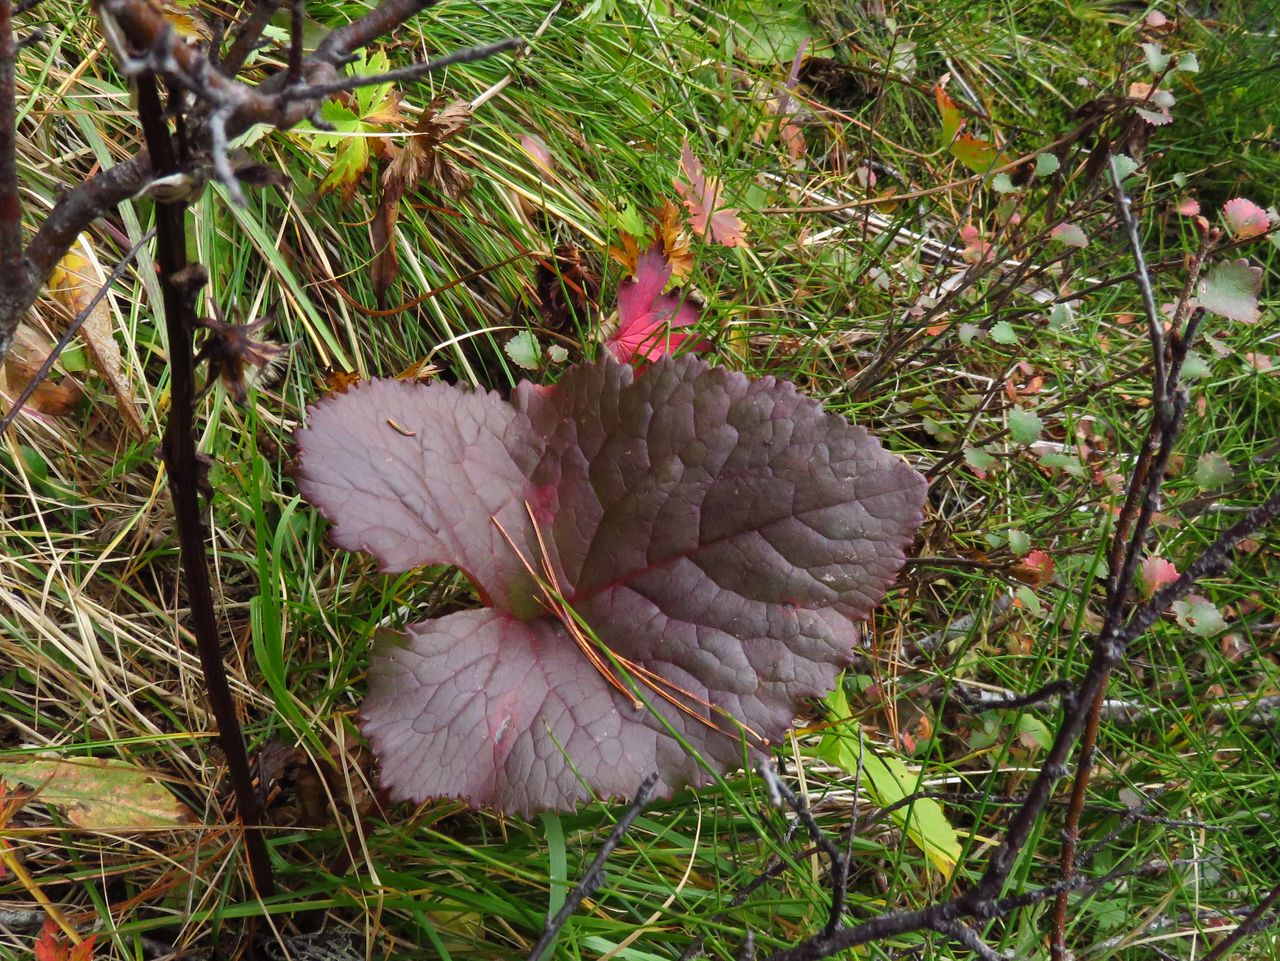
column 1035, row 569
column 1069, row 234
column 703, row 196
column 648, row 319
column 536, row 148
column 976, row 250
column 1156, row 573
column 1245, row 219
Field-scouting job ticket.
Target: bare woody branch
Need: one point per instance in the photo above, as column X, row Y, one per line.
column 222, row 108
column 15, row 271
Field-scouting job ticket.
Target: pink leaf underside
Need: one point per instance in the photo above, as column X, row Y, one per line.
column 703, row 197
column 722, row 533
column 1245, row 218
column 648, row 319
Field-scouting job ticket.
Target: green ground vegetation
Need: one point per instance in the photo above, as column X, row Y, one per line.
column 1018, row 381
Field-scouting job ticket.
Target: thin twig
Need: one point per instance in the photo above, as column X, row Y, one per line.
column 778, row 793
column 1141, row 500
column 413, row 72
column 1255, row 921
column 248, row 37
column 594, row 874
column 969, row 938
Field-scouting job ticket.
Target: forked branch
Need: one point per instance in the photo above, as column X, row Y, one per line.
column 217, row 108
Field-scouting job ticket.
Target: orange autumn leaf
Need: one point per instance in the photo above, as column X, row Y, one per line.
column 977, row 154
column 628, row 255
column 675, row 241
column 49, row 947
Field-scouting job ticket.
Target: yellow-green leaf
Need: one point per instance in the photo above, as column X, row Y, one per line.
column 888, row 781
column 978, row 155
column 350, row 161
column 98, row 793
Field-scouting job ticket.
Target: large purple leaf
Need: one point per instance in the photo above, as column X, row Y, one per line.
column 721, row 537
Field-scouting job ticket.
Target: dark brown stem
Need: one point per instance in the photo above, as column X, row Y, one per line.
column 16, row 284
column 594, row 874
column 297, row 18
column 1255, row 921
column 10, row 204
column 248, row 36
column 180, row 461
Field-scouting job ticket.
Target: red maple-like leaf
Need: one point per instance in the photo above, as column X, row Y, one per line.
column 49, row 947
column 648, row 319
column 703, row 196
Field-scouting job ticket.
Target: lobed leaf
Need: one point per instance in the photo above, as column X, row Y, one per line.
column 704, row 196
column 678, row 557
column 649, row 321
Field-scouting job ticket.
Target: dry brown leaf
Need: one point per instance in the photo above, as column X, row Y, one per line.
column 28, row 352
column 628, row 254
column 98, row 793
column 385, row 268
column 567, row 289
column 419, row 161
column 73, row 283
column 422, row 161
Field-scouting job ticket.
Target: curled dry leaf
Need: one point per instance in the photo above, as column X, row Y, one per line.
column 687, row 551
column 420, row 162
column 703, row 195
column 675, row 241
column 235, row 357
column 28, row 352
column 73, row 283
column 567, row 289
